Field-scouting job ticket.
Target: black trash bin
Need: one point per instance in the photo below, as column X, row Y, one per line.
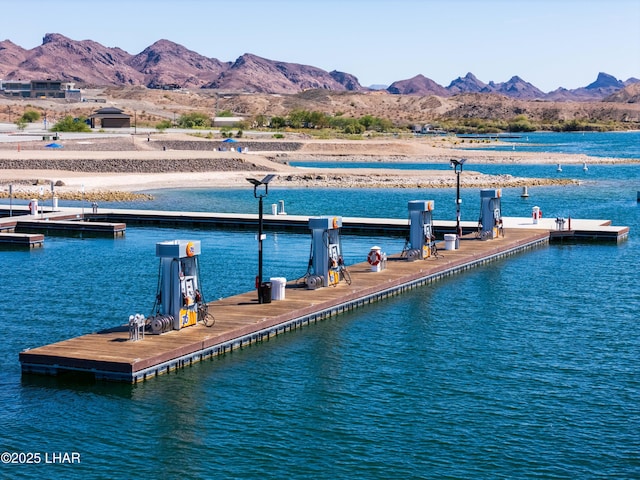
column 265, row 292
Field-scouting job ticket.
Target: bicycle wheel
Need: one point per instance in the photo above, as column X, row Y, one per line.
column 346, row 275
column 205, row 317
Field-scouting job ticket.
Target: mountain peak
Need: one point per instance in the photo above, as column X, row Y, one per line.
column 605, row 80
column 163, row 63
column 54, row 38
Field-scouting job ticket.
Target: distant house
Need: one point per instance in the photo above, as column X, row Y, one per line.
column 38, row 89
column 110, row 117
column 427, row 129
column 227, row 121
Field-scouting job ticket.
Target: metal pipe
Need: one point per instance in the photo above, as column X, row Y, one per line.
column 455, row 164
column 458, row 229
column 260, row 299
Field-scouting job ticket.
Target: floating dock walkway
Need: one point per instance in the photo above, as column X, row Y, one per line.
column 112, row 222
column 241, row 320
column 23, row 229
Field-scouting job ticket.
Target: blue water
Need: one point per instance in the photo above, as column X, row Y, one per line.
column 524, row 368
column 595, row 144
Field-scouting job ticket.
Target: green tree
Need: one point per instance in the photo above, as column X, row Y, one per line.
column 318, row 120
column 354, row 128
column 30, row 116
column 278, row 122
column 379, row 124
column 260, row 120
column 367, row 121
column 71, row 124
column 521, row 124
column 298, row 118
column 163, row 125
column 194, row 120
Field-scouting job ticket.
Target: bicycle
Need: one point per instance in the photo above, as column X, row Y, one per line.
column 345, row 274
column 207, row 319
column 342, row 269
column 405, row 248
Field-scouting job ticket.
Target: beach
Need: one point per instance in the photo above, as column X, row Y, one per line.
column 118, row 168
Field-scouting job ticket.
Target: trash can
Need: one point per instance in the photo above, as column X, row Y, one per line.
column 450, row 241
column 264, row 293
column 278, row 285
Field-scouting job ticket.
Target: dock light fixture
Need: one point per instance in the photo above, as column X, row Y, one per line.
column 256, row 184
column 457, row 167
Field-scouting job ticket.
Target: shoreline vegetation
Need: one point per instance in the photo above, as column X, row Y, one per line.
column 122, row 168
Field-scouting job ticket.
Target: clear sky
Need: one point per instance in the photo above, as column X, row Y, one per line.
column 549, row 43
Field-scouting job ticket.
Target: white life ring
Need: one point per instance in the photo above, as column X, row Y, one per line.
column 374, row 257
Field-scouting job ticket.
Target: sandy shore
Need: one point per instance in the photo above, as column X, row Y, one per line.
column 121, row 168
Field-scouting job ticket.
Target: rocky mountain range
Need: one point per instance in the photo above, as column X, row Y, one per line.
column 166, row 64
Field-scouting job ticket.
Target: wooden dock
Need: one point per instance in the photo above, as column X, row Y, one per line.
column 110, row 221
column 10, row 239
column 21, row 240
column 240, row 320
column 23, row 229
column 71, row 227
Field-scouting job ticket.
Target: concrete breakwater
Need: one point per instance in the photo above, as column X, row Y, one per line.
column 129, row 165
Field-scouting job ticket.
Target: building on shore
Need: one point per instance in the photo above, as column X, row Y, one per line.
column 110, row 117
column 40, row 89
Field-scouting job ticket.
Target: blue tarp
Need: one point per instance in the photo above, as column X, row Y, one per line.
column 54, row 145
column 229, row 140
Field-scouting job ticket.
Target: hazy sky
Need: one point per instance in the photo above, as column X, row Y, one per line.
column 549, row 43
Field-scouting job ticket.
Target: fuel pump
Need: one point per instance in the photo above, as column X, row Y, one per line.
column 178, row 286
column 421, row 236
column 490, row 223
column 326, row 261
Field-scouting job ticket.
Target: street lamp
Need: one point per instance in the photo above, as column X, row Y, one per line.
column 455, row 164
column 256, row 183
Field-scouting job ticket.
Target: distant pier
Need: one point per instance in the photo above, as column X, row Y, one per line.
column 113, row 222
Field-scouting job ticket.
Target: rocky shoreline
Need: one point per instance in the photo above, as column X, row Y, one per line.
column 353, row 180
column 121, row 169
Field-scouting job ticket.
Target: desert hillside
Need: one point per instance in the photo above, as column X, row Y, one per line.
column 151, row 106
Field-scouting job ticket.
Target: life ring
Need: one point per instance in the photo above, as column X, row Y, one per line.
column 374, row 257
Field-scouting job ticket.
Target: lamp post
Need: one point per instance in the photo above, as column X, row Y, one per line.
column 40, row 202
column 256, row 183
column 457, row 167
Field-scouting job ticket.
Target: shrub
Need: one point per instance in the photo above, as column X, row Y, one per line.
column 194, row 120
column 163, row 125
column 30, row 116
column 71, row 124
